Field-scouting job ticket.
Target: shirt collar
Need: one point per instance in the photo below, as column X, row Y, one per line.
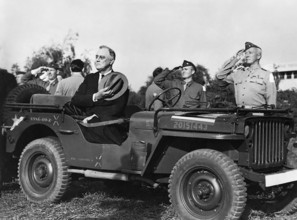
column 188, row 83
column 53, row 82
column 76, row 74
column 106, row 73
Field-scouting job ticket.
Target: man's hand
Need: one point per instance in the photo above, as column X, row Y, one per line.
column 38, row 70
column 240, row 57
column 103, row 93
column 87, row 119
column 240, row 53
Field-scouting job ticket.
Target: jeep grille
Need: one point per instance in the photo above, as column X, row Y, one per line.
column 267, row 143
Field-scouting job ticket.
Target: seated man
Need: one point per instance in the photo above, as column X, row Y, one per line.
column 192, row 93
column 103, row 101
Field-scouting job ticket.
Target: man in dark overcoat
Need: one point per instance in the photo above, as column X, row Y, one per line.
column 104, row 96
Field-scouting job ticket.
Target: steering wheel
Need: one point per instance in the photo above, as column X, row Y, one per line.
column 166, row 102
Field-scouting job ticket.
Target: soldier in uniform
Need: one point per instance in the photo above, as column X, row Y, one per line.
column 254, row 86
column 192, row 93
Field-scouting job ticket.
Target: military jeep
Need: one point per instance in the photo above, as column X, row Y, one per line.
column 213, row 161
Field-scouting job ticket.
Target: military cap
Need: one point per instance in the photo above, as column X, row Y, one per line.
column 188, row 63
column 249, row 45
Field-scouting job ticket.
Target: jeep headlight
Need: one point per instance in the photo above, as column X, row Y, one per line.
column 247, row 130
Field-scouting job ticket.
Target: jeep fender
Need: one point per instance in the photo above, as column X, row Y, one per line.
column 170, row 146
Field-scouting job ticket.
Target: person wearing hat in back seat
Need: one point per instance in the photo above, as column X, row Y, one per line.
column 104, row 96
column 254, row 86
column 191, row 91
column 36, row 76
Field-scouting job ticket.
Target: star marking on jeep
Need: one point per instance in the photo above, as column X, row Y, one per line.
column 16, row 121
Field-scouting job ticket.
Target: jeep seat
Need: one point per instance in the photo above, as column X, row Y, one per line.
column 47, row 99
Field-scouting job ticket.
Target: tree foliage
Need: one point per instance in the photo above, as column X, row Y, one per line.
column 220, row 94
column 15, row 68
column 58, row 53
column 287, row 99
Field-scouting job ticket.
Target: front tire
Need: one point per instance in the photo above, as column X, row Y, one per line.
column 42, row 171
column 206, row 184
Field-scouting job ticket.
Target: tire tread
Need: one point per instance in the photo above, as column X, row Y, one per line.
column 238, row 183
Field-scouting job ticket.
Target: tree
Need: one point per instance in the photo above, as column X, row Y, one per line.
column 44, row 56
column 15, row 68
column 61, row 54
column 220, row 94
column 201, row 75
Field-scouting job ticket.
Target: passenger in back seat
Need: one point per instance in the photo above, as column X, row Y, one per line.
column 51, row 71
column 69, row 86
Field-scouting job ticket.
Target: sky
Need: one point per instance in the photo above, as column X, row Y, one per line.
column 146, row 34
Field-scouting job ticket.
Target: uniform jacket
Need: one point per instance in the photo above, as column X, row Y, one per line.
column 191, row 96
column 29, row 78
column 70, row 85
column 152, row 91
column 254, row 86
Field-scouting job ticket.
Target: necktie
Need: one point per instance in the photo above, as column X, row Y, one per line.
column 99, row 80
column 185, row 86
column 48, row 87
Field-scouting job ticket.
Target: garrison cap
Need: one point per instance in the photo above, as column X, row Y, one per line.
column 249, row 45
column 188, row 63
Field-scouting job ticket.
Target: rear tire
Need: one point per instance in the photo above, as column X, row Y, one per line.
column 206, row 184
column 43, row 173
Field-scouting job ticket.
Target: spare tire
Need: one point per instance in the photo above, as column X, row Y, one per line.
column 23, row 93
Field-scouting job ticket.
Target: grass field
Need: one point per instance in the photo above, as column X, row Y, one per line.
column 95, row 199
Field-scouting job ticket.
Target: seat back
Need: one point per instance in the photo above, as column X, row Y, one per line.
column 47, row 99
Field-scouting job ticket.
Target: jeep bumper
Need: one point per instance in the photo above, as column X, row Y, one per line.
column 272, row 179
column 281, row 178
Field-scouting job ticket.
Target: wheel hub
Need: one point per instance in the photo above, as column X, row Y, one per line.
column 202, row 191
column 42, row 171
